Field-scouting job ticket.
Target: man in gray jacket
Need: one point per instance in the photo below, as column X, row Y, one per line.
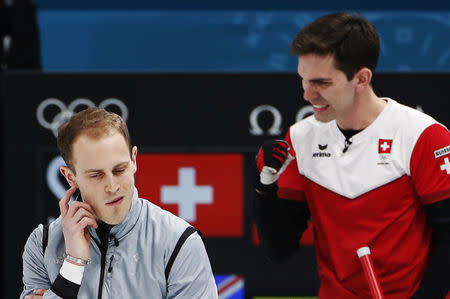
column 110, row 243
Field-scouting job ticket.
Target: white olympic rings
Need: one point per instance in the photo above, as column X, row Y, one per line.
column 275, row 128
column 67, row 111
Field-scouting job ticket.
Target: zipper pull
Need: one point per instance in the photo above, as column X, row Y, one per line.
column 113, row 238
column 110, row 268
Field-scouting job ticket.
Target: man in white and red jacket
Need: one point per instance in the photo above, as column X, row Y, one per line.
column 367, row 170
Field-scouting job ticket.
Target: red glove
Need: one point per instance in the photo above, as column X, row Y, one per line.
column 273, row 158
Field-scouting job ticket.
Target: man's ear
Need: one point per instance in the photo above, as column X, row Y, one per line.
column 134, row 158
column 69, row 175
column 363, row 77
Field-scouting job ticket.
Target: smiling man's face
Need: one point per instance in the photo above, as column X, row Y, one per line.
column 104, row 173
column 325, row 87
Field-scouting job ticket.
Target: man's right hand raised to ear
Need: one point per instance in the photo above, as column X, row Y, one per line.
column 75, row 221
column 273, row 158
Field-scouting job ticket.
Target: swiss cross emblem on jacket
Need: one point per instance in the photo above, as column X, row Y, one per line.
column 384, row 146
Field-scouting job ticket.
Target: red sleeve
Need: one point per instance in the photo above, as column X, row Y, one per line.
column 430, row 164
column 290, row 183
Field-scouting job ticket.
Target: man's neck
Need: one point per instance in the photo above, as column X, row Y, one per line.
column 365, row 110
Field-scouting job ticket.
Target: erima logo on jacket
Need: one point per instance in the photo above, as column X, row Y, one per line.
column 321, row 154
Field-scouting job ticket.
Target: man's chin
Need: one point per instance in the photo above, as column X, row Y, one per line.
column 323, row 119
column 116, row 215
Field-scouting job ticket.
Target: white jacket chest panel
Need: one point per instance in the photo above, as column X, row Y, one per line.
column 368, row 163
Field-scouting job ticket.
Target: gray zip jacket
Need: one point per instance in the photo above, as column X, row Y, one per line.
column 137, row 254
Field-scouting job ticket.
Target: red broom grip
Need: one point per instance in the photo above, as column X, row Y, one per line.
column 369, row 271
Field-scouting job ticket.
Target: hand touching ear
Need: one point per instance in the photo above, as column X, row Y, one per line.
column 75, row 222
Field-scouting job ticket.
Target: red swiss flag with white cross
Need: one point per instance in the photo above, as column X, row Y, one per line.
column 206, row 190
column 384, row 146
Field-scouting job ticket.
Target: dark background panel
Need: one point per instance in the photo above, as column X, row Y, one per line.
column 170, row 113
column 197, row 110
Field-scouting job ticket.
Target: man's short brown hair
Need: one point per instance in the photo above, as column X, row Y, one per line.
column 351, row 39
column 92, row 122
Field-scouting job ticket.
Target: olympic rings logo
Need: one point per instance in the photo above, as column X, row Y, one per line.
column 67, row 111
column 275, row 127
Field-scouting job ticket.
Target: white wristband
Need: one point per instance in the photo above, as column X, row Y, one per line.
column 270, row 175
column 72, row 272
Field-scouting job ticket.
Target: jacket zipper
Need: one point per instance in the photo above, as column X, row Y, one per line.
column 110, row 268
column 103, row 249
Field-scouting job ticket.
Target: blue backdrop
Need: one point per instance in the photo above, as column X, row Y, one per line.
column 225, row 37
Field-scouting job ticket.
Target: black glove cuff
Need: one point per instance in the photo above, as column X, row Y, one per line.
column 65, row 288
column 266, row 191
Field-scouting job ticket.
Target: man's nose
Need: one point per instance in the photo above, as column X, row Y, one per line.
column 112, row 186
column 309, row 92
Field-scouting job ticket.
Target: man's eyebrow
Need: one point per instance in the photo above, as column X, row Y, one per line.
column 316, row 79
column 320, row 80
column 121, row 164
column 93, row 170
